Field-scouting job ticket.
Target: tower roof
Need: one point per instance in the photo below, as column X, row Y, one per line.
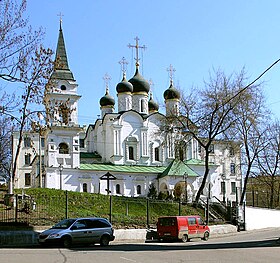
column 61, row 69
column 171, row 93
column 153, row 106
column 139, row 83
column 124, row 86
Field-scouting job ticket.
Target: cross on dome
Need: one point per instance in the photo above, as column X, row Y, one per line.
column 123, row 62
column 137, row 50
column 107, row 79
column 171, row 71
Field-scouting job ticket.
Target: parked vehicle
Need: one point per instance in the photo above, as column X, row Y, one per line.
column 79, row 231
column 182, row 228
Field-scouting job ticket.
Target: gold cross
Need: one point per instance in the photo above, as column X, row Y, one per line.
column 171, row 71
column 137, row 50
column 107, row 79
column 123, row 64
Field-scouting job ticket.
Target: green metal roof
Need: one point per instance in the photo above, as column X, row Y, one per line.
column 123, row 168
column 197, row 162
column 178, row 168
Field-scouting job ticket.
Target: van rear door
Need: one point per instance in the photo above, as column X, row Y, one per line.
column 167, row 227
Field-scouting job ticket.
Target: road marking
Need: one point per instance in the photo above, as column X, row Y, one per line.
column 128, row 259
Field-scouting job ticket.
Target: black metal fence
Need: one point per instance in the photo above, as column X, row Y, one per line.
column 45, row 210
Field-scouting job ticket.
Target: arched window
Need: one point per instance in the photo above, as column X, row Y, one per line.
column 63, row 148
column 157, row 154
column 142, row 106
column 85, row 187
column 64, row 113
column 63, row 87
column 118, row 189
column 139, row 189
column 130, row 153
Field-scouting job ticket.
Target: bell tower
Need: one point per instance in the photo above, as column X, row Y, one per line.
column 61, row 104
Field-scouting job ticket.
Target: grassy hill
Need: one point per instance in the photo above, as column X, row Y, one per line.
column 48, row 206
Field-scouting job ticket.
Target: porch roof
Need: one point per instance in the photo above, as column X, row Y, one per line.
column 178, row 168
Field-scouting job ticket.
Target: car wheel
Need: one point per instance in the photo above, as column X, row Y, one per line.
column 104, row 241
column 67, row 241
column 206, row 236
column 185, row 238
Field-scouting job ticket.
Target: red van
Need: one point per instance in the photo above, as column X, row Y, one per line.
column 182, row 228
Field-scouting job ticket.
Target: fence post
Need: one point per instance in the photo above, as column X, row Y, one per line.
column 66, row 204
column 148, row 215
column 111, row 209
column 179, row 207
column 16, row 209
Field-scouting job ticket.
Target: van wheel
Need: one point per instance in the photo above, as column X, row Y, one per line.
column 206, row 236
column 185, row 238
column 104, row 241
column 67, row 242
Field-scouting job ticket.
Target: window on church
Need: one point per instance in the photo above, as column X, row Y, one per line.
column 211, row 148
column 232, row 168
column 27, row 142
column 27, row 179
column 27, row 159
column 85, row 187
column 63, row 87
column 157, row 154
column 130, row 153
column 64, row 113
column 181, row 154
column 118, row 189
column 233, row 187
column 139, row 189
column 42, row 142
column 82, row 143
column 231, row 151
column 63, row 148
column 142, row 106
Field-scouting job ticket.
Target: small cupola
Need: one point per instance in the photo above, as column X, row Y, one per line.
column 171, row 93
column 124, row 86
column 171, row 96
column 152, row 105
column 107, row 102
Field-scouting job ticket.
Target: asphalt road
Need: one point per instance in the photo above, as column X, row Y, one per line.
column 250, row 246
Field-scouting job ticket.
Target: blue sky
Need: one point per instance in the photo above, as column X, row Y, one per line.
column 194, row 36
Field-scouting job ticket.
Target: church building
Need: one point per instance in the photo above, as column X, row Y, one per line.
column 125, row 151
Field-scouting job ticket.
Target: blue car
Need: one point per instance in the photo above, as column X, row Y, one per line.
column 79, row 231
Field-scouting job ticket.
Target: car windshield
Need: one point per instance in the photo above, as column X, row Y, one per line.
column 64, row 223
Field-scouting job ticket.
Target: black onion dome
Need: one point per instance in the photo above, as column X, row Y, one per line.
column 107, row 100
column 124, row 86
column 153, row 106
column 139, row 83
column 171, row 93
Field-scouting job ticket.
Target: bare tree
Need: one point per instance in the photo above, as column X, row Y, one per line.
column 24, row 64
column 249, row 129
column 5, row 147
column 209, row 114
column 268, row 160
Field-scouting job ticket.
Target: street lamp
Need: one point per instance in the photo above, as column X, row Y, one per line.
column 223, row 188
column 186, row 186
column 60, row 173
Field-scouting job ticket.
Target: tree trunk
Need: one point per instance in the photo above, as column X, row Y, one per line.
column 205, row 176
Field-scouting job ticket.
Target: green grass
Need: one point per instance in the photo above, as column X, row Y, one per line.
column 52, row 205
